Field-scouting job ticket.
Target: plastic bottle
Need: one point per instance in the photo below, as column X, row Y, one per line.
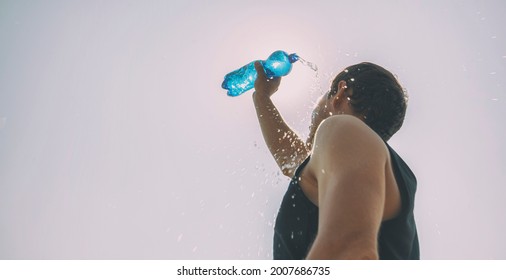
column 278, row 64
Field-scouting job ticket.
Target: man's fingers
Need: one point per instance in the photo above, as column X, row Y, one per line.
column 260, row 70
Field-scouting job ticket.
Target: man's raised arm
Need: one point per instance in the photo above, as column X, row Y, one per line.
column 287, row 148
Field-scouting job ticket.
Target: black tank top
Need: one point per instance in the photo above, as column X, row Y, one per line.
column 297, row 221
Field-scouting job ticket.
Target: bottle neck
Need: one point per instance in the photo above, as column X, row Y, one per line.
column 293, row 57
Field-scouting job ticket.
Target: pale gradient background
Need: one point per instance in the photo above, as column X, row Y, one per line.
column 116, row 140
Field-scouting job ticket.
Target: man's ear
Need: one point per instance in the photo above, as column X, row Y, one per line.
column 340, row 95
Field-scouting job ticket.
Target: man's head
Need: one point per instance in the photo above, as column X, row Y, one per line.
column 369, row 92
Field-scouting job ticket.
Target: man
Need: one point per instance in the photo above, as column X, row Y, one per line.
column 351, row 196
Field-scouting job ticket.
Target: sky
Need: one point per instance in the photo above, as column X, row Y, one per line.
column 117, row 141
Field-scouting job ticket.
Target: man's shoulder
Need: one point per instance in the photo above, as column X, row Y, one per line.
column 342, row 120
column 346, row 139
column 348, row 128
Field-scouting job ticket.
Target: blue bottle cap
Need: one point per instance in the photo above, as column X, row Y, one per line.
column 293, row 57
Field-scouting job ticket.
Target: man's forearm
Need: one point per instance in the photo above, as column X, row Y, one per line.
column 285, row 145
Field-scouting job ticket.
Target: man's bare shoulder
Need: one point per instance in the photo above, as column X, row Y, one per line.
column 346, row 131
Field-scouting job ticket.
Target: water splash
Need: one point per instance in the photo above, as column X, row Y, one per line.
column 308, row 64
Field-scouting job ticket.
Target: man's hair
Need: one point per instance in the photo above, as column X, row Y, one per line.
column 377, row 95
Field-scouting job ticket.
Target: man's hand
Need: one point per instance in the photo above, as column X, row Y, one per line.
column 265, row 87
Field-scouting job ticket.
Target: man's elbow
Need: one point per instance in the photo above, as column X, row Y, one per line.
column 361, row 251
column 288, row 172
column 288, row 169
column 349, row 250
column 352, row 254
column 372, row 255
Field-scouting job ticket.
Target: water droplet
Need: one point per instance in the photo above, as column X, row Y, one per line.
column 194, row 249
column 493, row 73
column 293, row 205
column 293, row 196
column 352, row 79
column 323, row 171
column 180, row 237
column 291, row 236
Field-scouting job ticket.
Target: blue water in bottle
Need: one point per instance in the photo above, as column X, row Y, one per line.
column 278, row 64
